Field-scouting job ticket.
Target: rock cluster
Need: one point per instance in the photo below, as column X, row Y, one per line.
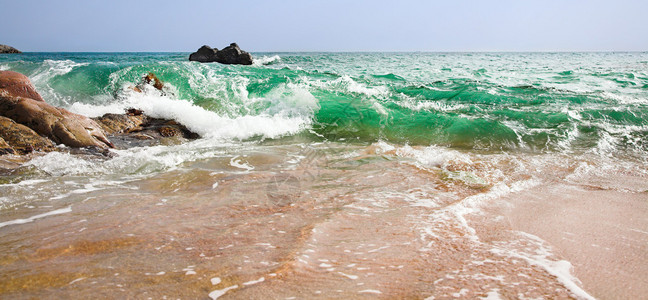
column 20, row 102
column 135, row 129
column 8, row 49
column 28, row 123
column 230, row 55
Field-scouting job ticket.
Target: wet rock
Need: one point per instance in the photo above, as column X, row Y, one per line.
column 204, row 54
column 135, row 129
column 168, row 131
column 17, row 84
column 134, row 112
column 151, row 79
column 20, row 102
column 21, row 139
column 8, row 49
column 120, row 123
column 6, row 148
column 58, row 124
column 231, row 54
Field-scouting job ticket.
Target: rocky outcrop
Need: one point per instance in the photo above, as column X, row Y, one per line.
column 17, row 84
column 134, row 129
column 8, row 49
column 57, row 124
column 28, row 124
column 121, row 123
column 230, row 55
column 20, row 139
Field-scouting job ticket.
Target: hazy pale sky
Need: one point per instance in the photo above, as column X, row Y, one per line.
column 332, row 25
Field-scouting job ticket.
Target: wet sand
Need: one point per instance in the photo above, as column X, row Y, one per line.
column 365, row 222
column 603, row 233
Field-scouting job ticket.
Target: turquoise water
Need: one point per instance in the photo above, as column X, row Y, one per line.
column 533, row 102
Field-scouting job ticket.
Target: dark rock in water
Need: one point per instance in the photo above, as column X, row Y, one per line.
column 17, row 84
column 21, row 138
column 8, row 49
column 204, row 54
column 231, row 55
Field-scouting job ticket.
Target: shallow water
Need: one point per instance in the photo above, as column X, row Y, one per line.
column 341, row 175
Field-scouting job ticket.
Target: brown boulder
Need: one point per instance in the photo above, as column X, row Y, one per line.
column 58, row 124
column 21, row 139
column 135, row 129
column 118, row 123
column 17, row 84
column 20, row 102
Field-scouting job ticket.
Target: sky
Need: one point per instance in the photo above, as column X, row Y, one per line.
column 332, row 25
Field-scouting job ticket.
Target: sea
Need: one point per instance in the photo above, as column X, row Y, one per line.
column 340, row 175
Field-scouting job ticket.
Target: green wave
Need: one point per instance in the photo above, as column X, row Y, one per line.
column 525, row 102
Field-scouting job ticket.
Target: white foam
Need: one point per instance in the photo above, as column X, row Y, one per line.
column 215, row 280
column 428, row 105
column 58, row 164
column 370, row 292
column 433, row 156
column 51, row 68
column 265, row 60
column 287, row 115
column 541, row 255
column 136, row 161
column 238, row 163
column 492, row 295
column 251, row 282
column 32, row 218
column 217, row 293
column 76, row 280
column 353, row 277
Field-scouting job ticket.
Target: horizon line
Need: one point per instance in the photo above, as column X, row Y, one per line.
column 364, row 51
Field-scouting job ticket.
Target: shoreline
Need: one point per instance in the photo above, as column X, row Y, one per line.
column 603, row 233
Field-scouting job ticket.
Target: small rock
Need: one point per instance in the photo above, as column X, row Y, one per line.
column 134, row 112
column 151, row 79
column 168, row 131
